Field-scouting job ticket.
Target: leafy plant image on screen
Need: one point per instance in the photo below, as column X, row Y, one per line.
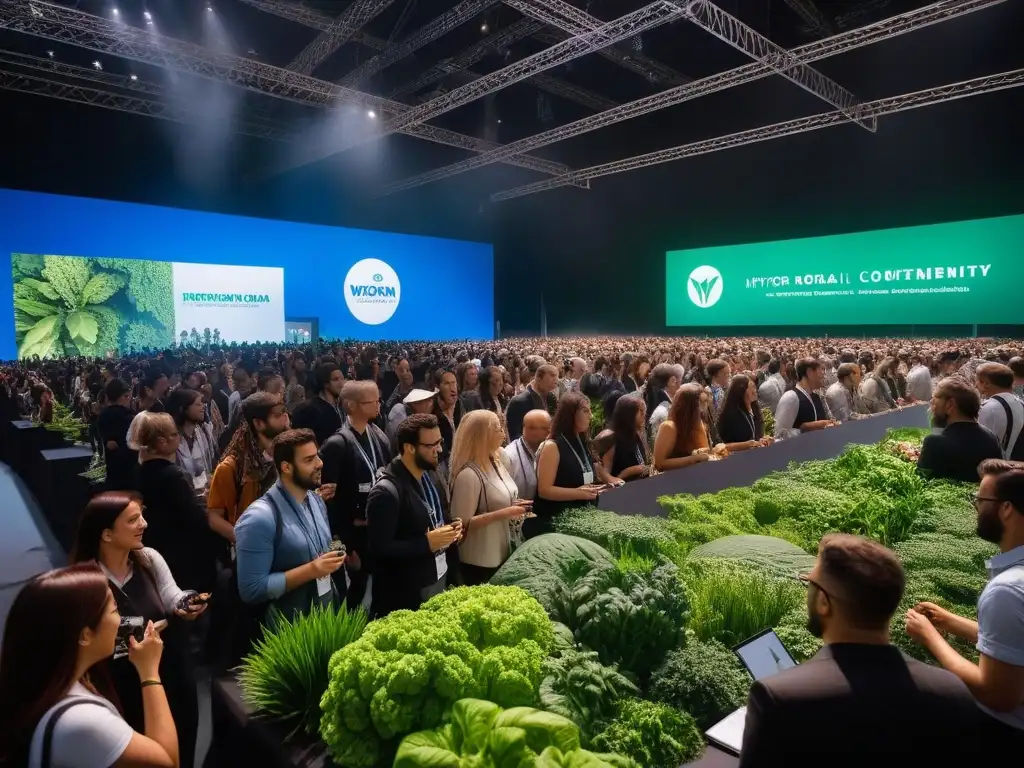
column 69, row 305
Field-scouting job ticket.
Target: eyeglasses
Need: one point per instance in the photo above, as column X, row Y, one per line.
column 976, row 499
column 807, row 582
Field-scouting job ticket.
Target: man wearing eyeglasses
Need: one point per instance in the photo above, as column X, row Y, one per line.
column 997, row 681
column 859, row 700
column 408, row 522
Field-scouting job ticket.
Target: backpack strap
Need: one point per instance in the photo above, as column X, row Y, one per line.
column 278, row 522
column 47, row 753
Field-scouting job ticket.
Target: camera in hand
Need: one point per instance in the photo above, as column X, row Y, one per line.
column 130, row 625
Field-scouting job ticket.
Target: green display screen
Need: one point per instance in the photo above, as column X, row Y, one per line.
column 962, row 272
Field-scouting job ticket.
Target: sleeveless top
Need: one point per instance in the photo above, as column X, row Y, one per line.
column 568, row 475
column 628, row 453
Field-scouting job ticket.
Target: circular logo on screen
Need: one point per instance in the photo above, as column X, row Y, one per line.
column 372, row 291
column 704, row 286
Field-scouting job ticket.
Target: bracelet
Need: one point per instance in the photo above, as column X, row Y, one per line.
column 147, row 683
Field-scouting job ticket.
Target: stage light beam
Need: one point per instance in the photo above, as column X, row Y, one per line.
column 371, row 114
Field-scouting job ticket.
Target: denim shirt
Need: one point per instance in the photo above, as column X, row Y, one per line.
column 1001, row 620
column 305, row 535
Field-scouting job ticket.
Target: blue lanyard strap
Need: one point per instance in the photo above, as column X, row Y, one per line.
column 319, row 546
column 372, row 465
column 433, row 500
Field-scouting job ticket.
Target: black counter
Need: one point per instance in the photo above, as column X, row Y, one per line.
column 744, row 468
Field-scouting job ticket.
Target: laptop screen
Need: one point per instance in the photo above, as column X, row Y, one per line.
column 764, row 654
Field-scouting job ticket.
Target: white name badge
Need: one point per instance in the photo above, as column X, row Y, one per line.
column 440, row 564
column 199, row 481
column 588, row 477
column 365, row 487
column 323, row 586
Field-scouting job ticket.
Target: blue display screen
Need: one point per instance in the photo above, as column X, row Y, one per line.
column 359, row 284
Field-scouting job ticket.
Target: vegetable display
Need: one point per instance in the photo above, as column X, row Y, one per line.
column 607, row 643
column 481, row 735
column 408, row 668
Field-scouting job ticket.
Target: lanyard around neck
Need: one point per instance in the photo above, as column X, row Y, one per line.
column 371, row 464
column 433, row 500
column 523, row 462
column 317, row 547
column 581, row 457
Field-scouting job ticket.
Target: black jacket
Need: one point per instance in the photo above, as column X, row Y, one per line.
column 957, row 452
column 177, row 524
column 122, row 461
column 522, row 404
column 318, row 415
column 861, row 705
column 344, row 465
column 398, row 519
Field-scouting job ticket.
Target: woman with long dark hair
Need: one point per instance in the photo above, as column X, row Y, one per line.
column 740, row 424
column 54, row 698
column 627, row 457
column 110, row 535
column 492, row 389
column 683, row 439
column 569, row 474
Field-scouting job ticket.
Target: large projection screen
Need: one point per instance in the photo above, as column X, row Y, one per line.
column 962, row 272
column 184, row 269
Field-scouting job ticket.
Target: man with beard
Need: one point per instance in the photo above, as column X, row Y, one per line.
column 964, row 443
column 246, row 470
column 997, row 681
column 283, row 541
column 407, row 521
column 322, row 414
column 859, row 700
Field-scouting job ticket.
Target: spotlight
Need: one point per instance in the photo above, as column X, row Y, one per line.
column 371, row 114
column 485, row 28
column 50, row 54
column 209, row 8
column 135, row 78
column 147, row 16
column 97, row 65
column 149, row 23
column 115, row 12
column 499, row 121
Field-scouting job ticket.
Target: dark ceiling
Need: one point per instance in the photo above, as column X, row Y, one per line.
column 77, row 149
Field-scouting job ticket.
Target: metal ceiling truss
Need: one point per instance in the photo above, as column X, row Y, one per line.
column 820, row 49
column 817, row 23
column 176, row 111
column 733, row 31
column 339, row 33
column 658, row 12
column 523, row 28
column 442, row 25
column 503, row 38
column 573, row 21
column 55, row 22
column 879, row 108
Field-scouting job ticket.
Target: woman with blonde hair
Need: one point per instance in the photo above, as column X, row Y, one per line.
column 484, row 496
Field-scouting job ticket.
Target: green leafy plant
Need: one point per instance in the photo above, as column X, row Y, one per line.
column 629, row 618
column 729, row 602
column 654, row 735
column 409, row 667
column 579, row 687
column 769, row 422
column 633, row 534
column 704, row 679
column 482, row 735
column 286, row 674
column 61, row 312
column 65, row 422
column 541, row 565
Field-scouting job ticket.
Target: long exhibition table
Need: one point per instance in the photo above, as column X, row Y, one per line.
column 744, row 468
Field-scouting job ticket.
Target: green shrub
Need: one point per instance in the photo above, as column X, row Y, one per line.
column 409, row 667
column 730, row 603
column 630, row 619
column 763, row 553
column 792, row 631
column 654, row 735
column 541, row 565
column 286, row 674
column 638, row 534
column 704, row 679
column 579, row 687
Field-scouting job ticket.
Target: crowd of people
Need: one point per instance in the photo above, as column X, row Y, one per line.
column 257, row 481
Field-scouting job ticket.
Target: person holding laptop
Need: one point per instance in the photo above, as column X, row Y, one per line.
column 859, row 698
